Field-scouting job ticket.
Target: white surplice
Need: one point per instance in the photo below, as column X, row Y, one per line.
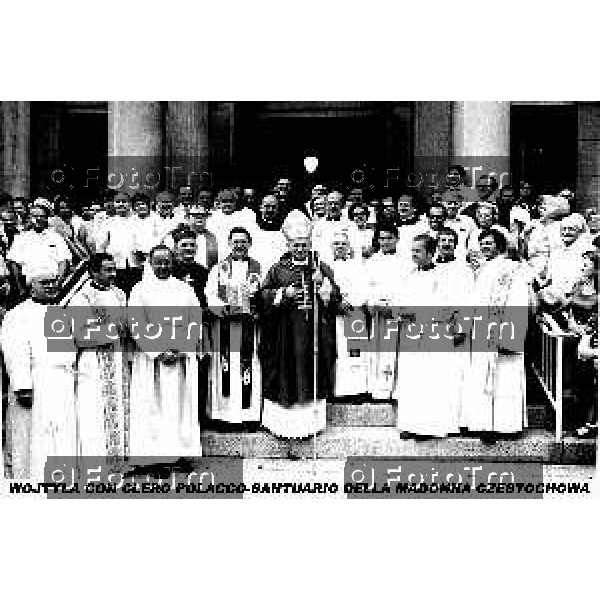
column 102, row 382
column 50, row 375
column 352, row 364
column 429, row 375
column 163, row 398
column 385, row 281
column 119, row 240
column 494, row 394
column 29, row 247
column 224, row 278
column 221, row 224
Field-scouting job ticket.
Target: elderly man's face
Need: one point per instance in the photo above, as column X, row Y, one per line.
column 300, row 248
column 446, row 244
column 452, row 204
column 485, row 217
column 142, row 210
column 228, row 206
column 269, row 209
column 44, row 288
column 436, row 217
column 388, row 207
column 239, row 244
column 568, row 233
column 488, row 247
column 165, row 207
column 162, row 264
column 186, row 249
column 197, row 217
column 419, row 253
column 360, row 217
column 39, row 218
column 334, row 205
column 319, row 206
column 106, row 275
column 387, row 242
column 341, row 248
column 484, row 188
column 453, row 177
column 405, row 207
column 121, row 205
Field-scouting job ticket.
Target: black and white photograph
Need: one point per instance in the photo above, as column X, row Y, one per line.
column 321, row 251
column 270, row 279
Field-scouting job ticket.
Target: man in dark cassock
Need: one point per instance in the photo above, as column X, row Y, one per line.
column 269, row 215
column 288, row 323
column 185, row 267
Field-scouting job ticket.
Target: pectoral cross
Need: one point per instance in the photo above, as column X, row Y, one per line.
column 246, row 377
column 387, row 373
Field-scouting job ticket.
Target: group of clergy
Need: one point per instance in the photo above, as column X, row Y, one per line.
column 278, row 295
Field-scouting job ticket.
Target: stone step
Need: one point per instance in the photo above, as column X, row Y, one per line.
column 340, row 442
column 343, row 413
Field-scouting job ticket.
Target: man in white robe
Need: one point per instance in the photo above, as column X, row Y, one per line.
column 234, row 377
column 462, row 224
column 486, row 219
column 226, row 217
column 352, row 363
column 409, row 224
column 164, row 383
column 168, row 219
column 40, row 243
column 325, row 229
column 386, row 272
column 268, row 242
column 41, row 412
column 542, row 236
column 427, row 386
column 565, row 263
column 120, row 240
column 494, row 399
column 102, row 382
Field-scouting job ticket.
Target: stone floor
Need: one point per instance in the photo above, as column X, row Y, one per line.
column 343, row 441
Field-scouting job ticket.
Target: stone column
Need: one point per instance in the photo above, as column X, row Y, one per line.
column 15, row 128
column 481, row 138
column 187, row 143
column 433, row 133
column 588, row 155
column 135, row 145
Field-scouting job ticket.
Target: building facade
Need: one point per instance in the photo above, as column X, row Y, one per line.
column 47, row 146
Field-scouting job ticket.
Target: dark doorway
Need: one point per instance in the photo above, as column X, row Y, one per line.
column 354, row 142
column 69, row 145
column 544, row 146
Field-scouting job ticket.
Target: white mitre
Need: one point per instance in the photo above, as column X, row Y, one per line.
column 296, row 226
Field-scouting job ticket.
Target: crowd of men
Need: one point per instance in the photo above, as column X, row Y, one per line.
column 278, row 278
